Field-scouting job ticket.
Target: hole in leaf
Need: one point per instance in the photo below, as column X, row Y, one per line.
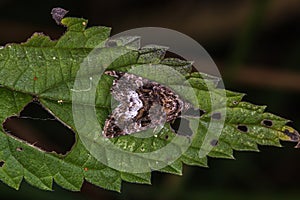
column 235, row 102
column 194, row 112
column 242, row 128
column 166, row 137
column 38, row 127
column 1, row 163
column 214, row 142
column 19, row 149
column 111, row 43
column 216, row 116
column 170, row 54
column 181, row 127
column 267, row 122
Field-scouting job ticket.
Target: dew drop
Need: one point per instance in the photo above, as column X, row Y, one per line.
column 54, row 58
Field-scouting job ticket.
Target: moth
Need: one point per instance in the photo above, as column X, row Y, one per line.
column 143, row 104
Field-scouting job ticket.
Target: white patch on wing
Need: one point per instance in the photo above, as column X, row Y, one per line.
column 135, row 104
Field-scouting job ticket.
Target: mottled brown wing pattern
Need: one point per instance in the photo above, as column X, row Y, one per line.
column 143, row 104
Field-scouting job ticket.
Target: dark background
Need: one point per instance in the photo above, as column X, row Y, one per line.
column 256, row 46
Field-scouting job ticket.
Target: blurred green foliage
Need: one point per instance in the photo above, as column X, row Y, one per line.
column 271, row 174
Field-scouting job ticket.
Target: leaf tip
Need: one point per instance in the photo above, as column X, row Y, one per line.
column 288, row 133
column 74, row 24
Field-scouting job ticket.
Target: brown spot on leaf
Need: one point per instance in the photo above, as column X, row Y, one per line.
column 35, row 78
column 86, row 169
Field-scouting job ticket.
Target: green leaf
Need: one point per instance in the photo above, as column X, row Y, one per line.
column 45, row 70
